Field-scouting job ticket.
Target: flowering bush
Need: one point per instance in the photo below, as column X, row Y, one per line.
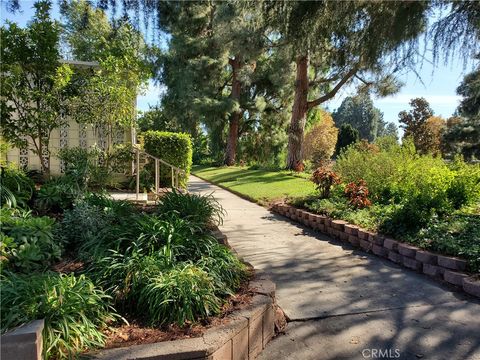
column 325, row 178
column 357, row 194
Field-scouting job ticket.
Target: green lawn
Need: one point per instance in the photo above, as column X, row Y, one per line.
column 258, row 185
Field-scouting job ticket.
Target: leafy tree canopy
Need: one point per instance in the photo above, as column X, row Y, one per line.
column 469, row 89
column 155, row 119
column 34, row 97
column 106, row 97
column 388, row 129
column 360, row 112
column 320, row 138
column 413, row 121
column 347, row 135
column 462, row 135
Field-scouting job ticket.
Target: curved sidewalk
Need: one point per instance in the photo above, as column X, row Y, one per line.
column 343, row 303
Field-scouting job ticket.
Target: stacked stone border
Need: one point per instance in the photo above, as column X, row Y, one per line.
column 447, row 268
column 242, row 337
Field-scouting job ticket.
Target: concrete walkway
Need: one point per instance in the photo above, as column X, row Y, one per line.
column 343, row 303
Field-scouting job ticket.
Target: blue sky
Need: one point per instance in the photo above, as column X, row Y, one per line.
column 439, row 82
column 437, row 85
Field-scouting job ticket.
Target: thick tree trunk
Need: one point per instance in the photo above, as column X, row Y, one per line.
column 299, row 114
column 231, row 150
column 234, row 123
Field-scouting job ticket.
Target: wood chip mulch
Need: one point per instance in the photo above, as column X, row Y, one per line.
column 136, row 333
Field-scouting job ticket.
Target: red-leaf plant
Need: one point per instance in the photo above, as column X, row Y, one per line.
column 357, row 194
column 325, row 178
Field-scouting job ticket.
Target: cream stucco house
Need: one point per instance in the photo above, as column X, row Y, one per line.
column 71, row 135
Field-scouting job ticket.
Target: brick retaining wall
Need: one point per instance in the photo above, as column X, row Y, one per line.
column 447, row 268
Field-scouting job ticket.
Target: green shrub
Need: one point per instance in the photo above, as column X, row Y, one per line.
column 337, row 207
column 124, row 274
column 98, row 223
column 183, row 293
column 143, row 284
column 16, row 187
column 410, row 216
column 465, row 187
column 226, row 270
column 147, row 180
column 175, row 238
column 118, row 208
column 396, row 173
column 83, row 225
column 75, row 311
column 58, row 194
column 199, row 209
column 93, row 168
column 79, row 163
column 29, row 241
column 174, row 148
column 166, row 266
column 201, row 150
column 120, row 159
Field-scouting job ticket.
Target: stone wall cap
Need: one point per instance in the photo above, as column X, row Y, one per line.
column 216, row 337
column 26, row 332
column 451, row 262
column 171, row 350
column 259, row 305
column 263, row 287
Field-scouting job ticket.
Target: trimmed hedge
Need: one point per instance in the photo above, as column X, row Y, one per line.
column 174, row 148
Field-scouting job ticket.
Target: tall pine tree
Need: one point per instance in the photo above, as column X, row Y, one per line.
column 335, row 44
column 360, row 112
column 218, row 70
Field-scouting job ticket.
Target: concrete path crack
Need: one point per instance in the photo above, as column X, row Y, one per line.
column 316, row 318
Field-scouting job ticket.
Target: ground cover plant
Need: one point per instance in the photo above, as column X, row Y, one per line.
column 159, row 267
column 16, row 188
column 416, row 198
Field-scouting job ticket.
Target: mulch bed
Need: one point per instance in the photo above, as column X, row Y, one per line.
column 67, row 266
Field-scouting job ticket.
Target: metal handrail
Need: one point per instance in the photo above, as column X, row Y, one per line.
column 174, row 171
column 162, row 161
